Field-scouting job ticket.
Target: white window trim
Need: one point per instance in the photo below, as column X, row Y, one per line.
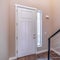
column 40, row 45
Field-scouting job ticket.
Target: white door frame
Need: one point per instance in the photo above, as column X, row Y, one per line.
column 16, row 23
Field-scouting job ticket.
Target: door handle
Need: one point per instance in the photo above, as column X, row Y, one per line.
column 34, row 36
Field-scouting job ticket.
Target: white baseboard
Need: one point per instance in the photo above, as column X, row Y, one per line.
column 41, row 51
column 12, row 58
column 55, row 51
column 47, row 51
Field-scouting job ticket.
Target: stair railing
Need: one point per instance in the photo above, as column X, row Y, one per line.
column 49, row 41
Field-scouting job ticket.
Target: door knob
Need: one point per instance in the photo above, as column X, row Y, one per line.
column 34, row 36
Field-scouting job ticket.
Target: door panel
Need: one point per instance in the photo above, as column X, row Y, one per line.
column 26, row 32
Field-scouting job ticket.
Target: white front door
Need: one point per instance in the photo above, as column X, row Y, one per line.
column 26, row 30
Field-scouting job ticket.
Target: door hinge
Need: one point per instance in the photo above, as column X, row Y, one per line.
column 17, row 51
column 17, row 38
column 16, row 24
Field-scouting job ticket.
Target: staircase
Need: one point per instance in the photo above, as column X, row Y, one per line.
column 49, row 42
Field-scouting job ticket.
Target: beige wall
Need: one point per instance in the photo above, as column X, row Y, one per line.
column 43, row 5
column 56, row 19
column 7, row 24
column 4, row 29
